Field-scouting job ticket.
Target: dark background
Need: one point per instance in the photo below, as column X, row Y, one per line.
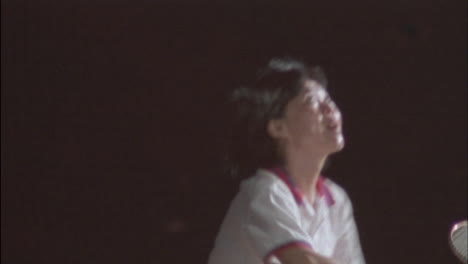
column 113, row 121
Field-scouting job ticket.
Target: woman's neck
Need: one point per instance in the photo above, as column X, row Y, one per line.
column 305, row 170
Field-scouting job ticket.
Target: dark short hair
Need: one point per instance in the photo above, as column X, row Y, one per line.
column 260, row 101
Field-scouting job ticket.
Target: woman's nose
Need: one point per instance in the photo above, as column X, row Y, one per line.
column 328, row 107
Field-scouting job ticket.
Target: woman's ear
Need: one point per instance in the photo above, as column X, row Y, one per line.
column 276, row 129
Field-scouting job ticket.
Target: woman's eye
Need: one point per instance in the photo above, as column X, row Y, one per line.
column 311, row 99
column 328, row 100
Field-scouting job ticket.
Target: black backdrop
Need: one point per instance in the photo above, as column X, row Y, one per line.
column 113, row 121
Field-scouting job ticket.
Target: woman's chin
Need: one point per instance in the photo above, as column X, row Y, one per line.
column 338, row 144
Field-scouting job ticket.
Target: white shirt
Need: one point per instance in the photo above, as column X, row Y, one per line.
column 269, row 215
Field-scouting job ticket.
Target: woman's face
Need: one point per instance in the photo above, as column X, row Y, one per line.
column 313, row 121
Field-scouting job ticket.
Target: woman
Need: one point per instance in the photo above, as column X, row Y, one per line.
column 287, row 212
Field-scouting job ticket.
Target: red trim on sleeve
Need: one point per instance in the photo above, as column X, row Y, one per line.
column 274, row 252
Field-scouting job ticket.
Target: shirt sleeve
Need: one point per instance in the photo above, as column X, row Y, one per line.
column 273, row 222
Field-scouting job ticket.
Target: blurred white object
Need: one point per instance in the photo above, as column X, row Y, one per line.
column 458, row 240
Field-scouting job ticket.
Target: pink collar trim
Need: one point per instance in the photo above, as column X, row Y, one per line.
column 322, row 188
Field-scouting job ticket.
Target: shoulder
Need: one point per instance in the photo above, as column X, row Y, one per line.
column 341, row 213
column 265, row 186
column 338, row 193
column 263, row 181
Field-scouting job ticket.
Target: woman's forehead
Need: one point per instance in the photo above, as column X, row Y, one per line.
column 311, row 86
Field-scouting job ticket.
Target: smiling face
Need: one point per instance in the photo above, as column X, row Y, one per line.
column 311, row 122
